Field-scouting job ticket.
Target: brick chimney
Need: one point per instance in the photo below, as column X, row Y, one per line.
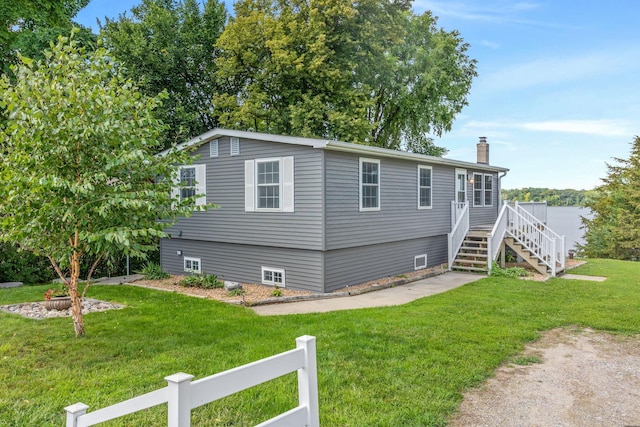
column 483, row 151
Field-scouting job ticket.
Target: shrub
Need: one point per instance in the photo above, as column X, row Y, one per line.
column 153, row 271
column 277, row 292
column 204, row 281
column 237, row 292
column 22, row 266
column 512, row 272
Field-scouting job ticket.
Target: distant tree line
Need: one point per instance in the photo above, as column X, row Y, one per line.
column 553, row 197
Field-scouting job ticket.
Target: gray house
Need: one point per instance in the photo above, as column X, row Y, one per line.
column 318, row 215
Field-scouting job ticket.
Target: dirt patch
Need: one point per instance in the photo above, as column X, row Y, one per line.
column 586, row 378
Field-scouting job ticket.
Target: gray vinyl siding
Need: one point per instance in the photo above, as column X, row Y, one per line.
column 351, row 266
column 398, row 218
column 483, row 215
column 243, row 263
column 225, row 187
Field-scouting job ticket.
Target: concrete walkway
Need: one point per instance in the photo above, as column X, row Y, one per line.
column 386, row 297
column 582, row 277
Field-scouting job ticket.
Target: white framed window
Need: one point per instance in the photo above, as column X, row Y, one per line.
column 192, row 265
column 488, row 190
column 369, row 184
column 273, row 276
column 420, row 262
column 235, row 146
column 269, row 185
column 191, row 181
column 213, row 148
column 424, row 187
column 461, row 185
column 478, row 189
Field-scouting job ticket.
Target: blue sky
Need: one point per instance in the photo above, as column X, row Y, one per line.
column 558, row 93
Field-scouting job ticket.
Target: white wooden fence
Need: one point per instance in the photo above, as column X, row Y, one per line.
column 182, row 395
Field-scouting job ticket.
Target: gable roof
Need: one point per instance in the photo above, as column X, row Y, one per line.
column 330, row 145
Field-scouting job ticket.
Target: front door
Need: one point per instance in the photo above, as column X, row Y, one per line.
column 461, row 185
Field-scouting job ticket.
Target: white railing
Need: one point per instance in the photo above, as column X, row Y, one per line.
column 494, row 239
column 456, row 211
column 537, row 209
column 458, row 231
column 182, row 395
column 559, row 254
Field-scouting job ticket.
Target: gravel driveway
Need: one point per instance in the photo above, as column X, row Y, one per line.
column 587, row 378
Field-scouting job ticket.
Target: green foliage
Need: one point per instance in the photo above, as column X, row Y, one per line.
column 526, row 360
column 238, row 292
column 369, row 72
column 566, row 197
column 512, row 272
column 204, row 281
column 21, row 266
column 28, row 26
column 169, row 46
column 78, row 176
column 153, row 271
column 276, row 292
column 614, row 230
column 407, row 365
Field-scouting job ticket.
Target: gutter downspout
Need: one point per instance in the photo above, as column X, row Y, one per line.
column 500, row 188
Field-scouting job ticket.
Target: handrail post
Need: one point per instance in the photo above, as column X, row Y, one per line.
column 553, row 258
column 308, row 380
column 74, row 412
column 489, row 254
column 179, row 404
column 563, row 257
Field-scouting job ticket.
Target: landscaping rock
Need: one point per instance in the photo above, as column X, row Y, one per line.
column 230, row 286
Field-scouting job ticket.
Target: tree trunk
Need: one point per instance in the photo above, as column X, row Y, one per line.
column 76, row 301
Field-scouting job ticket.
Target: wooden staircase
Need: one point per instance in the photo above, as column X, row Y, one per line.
column 473, row 254
column 529, row 257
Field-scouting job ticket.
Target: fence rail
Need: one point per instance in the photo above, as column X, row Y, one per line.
column 182, row 395
column 459, row 230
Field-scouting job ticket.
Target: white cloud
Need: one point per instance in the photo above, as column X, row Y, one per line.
column 600, row 127
column 489, row 44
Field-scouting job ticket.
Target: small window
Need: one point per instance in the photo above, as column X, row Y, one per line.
column 478, row 193
column 272, row 276
column 213, row 148
column 488, row 190
column 192, row 265
column 191, row 182
column 235, row 146
column 369, row 185
column 269, row 185
column 424, row 187
column 420, row 262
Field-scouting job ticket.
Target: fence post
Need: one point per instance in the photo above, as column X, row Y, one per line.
column 308, row 380
column 179, row 402
column 74, row 412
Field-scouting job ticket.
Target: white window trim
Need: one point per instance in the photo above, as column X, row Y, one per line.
column 213, row 148
column 201, row 183
column 287, row 187
column 481, row 189
column 420, row 167
column 191, row 270
column 484, row 189
column 459, row 172
column 274, row 270
column 234, row 146
column 420, row 266
column 365, row 160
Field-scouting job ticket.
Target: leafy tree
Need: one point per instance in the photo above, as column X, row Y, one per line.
column 19, row 19
column 614, row 231
column 78, row 178
column 168, row 45
column 369, row 72
column 566, row 197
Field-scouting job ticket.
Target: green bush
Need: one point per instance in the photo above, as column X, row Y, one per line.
column 204, row 281
column 512, row 272
column 22, row 266
column 153, row 271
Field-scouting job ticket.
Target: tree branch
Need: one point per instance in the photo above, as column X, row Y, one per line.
column 91, row 270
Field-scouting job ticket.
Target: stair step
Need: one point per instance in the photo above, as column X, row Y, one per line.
column 470, row 261
column 473, row 255
column 471, row 269
column 473, row 242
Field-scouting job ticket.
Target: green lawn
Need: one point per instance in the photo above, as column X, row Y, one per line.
column 397, row 366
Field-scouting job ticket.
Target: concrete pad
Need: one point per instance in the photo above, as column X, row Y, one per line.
column 118, row 280
column 10, row 284
column 386, row 297
column 581, row 277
